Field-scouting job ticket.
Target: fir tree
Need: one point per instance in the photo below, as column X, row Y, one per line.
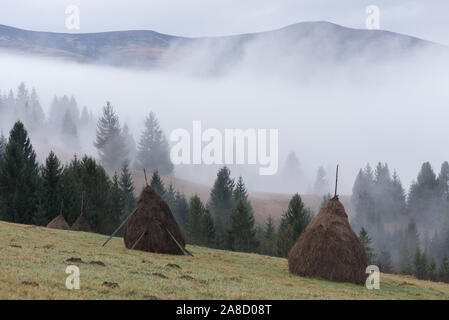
column 110, row 142
column 405, row 260
column 321, row 185
column 240, row 193
column 241, row 232
column 50, row 193
column 420, row 264
column 432, row 270
column 19, row 178
column 3, row 144
column 221, row 202
column 158, row 185
column 366, row 242
column 194, row 221
column 152, row 151
column 268, row 242
column 117, row 202
column 208, row 229
column 443, row 272
column 182, row 210
column 127, row 190
column 293, row 223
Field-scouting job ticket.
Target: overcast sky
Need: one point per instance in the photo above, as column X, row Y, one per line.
column 424, row 19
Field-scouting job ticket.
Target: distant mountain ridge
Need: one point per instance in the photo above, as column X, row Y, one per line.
column 321, row 41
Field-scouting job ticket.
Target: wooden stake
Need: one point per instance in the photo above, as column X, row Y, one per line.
column 145, row 174
column 140, row 238
column 336, row 182
column 119, row 227
column 184, row 250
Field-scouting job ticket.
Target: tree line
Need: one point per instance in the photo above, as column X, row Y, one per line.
column 403, row 232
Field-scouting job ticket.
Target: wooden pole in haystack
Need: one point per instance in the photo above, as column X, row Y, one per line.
column 336, row 182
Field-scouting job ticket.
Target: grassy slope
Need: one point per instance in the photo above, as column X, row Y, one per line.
column 35, row 254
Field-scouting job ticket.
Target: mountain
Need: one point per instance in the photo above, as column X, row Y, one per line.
column 318, row 41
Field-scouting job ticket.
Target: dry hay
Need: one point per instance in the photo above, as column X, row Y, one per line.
column 329, row 248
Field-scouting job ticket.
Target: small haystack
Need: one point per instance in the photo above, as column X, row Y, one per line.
column 81, row 225
column 152, row 227
column 329, row 248
column 58, row 223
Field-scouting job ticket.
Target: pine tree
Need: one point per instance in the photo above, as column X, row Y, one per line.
column 424, row 200
column 443, row 272
column 152, row 151
column 420, row 264
column 127, row 190
column 321, row 185
column 384, row 261
column 432, row 270
column 194, row 221
column 69, row 131
column 50, row 193
column 158, row 185
column 221, row 203
column 405, row 260
column 293, row 223
column 366, row 242
column 117, row 202
column 240, row 193
column 182, row 210
column 110, row 142
column 3, row 144
column 292, row 174
column 241, row 232
column 208, row 229
column 19, row 178
column 268, row 242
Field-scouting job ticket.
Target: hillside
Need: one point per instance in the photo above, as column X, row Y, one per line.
column 33, row 261
column 306, row 41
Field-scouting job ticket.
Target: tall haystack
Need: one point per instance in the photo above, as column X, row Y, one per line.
column 58, row 223
column 152, row 227
column 329, row 248
column 81, row 225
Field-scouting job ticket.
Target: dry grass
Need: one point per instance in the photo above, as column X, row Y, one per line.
column 33, row 262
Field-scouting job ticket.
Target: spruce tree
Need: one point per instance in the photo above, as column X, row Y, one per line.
column 405, row 260
column 127, row 190
column 3, row 143
column 109, row 139
column 321, row 185
column 240, row 193
column 158, row 185
column 293, row 223
column 19, row 178
column 194, row 221
column 443, row 271
column 208, row 229
column 221, row 202
column 268, row 242
column 241, row 232
column 50, row 193
column 182, row 210
column 117, row 203
column 153, row 150
column 366, row 242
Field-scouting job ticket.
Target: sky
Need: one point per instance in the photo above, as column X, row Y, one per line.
column 424, row 19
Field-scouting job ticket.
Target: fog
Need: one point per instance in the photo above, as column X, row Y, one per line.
column 349, row 113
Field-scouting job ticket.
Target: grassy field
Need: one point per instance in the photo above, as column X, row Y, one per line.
column 33, row 262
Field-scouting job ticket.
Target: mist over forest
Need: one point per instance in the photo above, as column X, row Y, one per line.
column 384, row 105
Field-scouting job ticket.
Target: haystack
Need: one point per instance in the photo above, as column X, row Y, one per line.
column 329, row 248
column 152, row 227
column 58, row 223
column 81, row 225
